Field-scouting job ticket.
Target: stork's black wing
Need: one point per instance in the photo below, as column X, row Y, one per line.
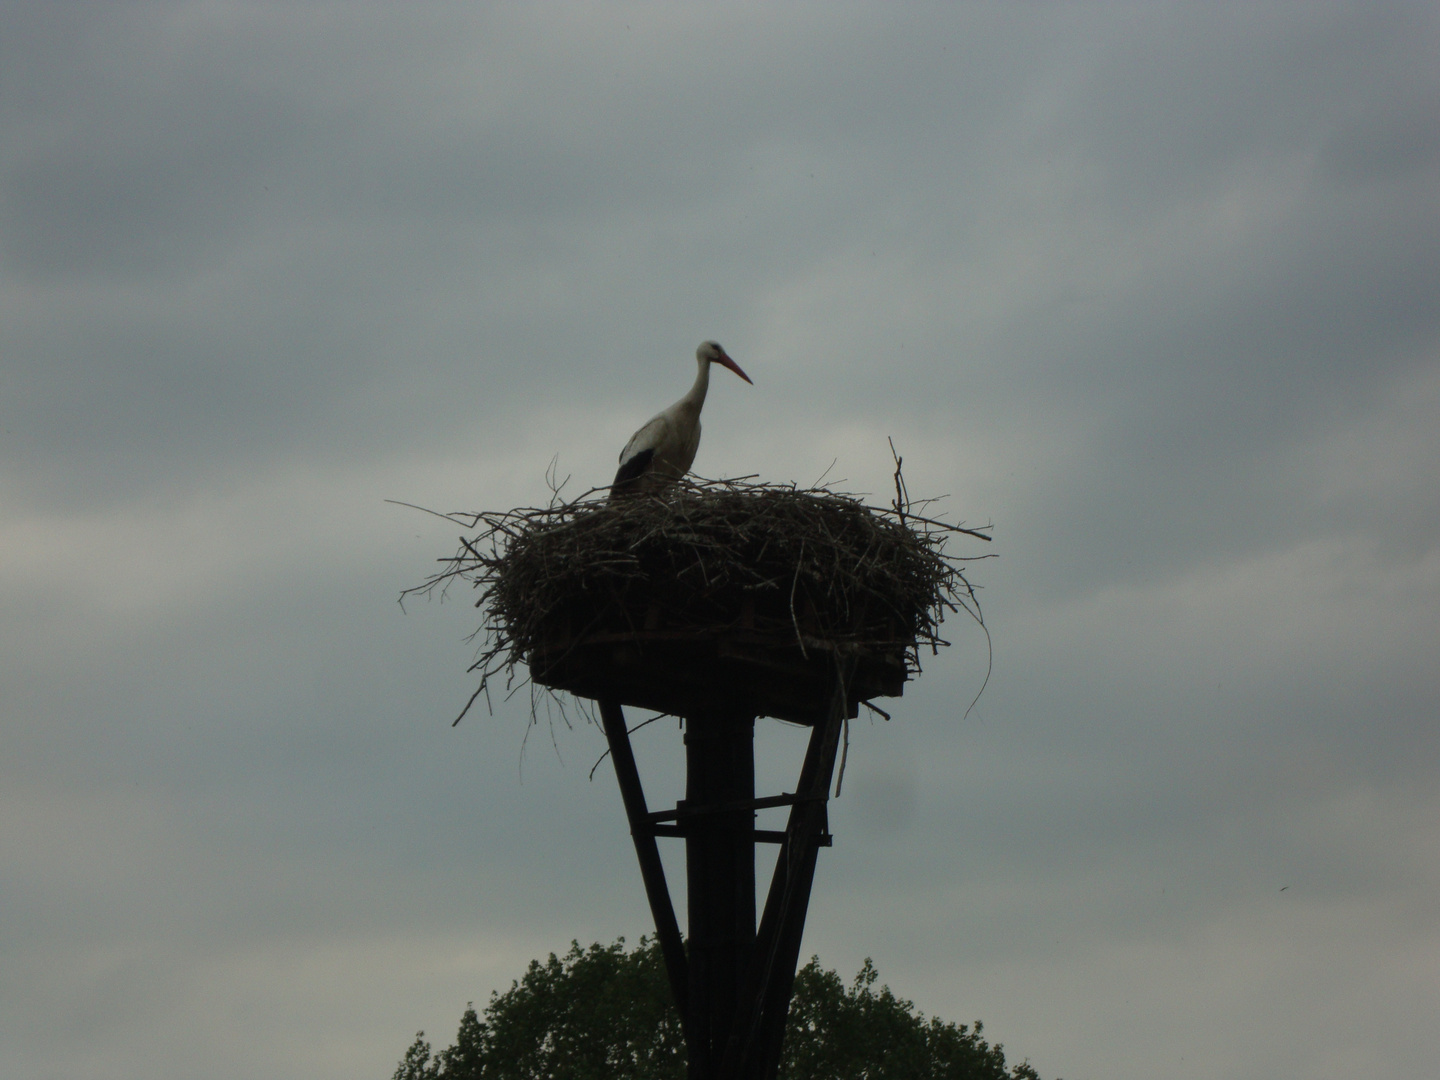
column 628, row 478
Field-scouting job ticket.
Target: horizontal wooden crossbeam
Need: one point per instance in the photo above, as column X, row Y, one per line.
column 762, row 836
column 684, row 809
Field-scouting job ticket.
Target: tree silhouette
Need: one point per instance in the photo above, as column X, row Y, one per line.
column 602, row 1013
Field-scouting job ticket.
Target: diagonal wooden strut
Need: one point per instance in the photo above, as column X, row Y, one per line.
column 754, row 1049
column 652, row 871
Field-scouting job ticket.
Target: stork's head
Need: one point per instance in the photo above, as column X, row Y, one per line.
column 710, row 352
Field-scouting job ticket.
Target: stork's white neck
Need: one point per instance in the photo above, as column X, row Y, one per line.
column 696, row 397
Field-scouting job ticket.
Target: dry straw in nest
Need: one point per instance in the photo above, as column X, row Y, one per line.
column 783, row 566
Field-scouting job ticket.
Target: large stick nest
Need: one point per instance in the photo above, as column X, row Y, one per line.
column 811, row 568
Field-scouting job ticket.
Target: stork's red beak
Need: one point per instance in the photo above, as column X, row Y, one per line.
column 727, row 362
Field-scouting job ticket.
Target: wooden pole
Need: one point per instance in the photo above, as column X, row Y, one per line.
column 720, row 874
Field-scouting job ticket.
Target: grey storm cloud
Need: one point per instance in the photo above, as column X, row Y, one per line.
column 1149, row 288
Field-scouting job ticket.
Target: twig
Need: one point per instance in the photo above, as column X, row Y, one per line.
column 637, row 727
column 799, row 637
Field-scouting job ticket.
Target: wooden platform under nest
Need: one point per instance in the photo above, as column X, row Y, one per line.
column 690, row 672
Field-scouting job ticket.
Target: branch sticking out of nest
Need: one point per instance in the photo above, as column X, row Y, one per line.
column 782, row 564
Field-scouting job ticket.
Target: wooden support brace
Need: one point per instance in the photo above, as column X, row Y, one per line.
column 754, row 1050
column 652, row 871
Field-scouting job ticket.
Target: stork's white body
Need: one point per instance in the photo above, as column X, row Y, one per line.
column 663, row 450
column 673, row 435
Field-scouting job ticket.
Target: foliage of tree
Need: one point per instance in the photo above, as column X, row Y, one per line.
column 603, row 1013
column 858, row 1033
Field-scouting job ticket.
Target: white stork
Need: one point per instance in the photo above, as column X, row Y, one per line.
column 663, row 450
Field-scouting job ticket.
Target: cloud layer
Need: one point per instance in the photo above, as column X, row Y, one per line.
column 1151, row 289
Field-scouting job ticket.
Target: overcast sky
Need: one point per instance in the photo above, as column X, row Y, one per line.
column 1153, row 289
